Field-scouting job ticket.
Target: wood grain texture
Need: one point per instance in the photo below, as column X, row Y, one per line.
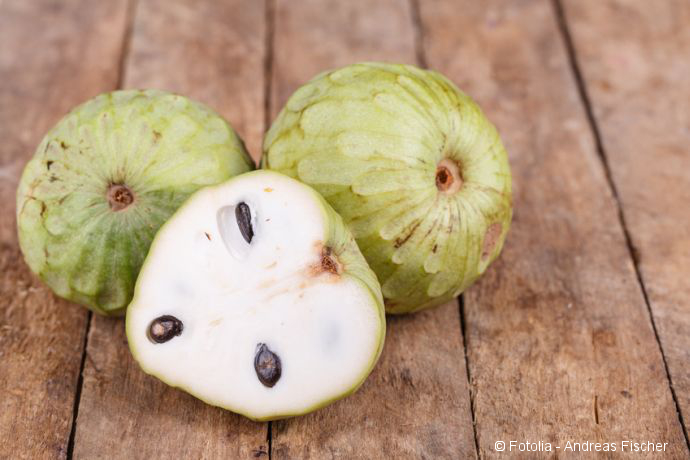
column 53, row 55
column 637, row 80
column 559, row 340
column 312, row 36
column 416, row 403
column 213, row 52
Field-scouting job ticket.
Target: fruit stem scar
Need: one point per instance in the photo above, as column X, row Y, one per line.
column 448, row 176
column 327, row 262
column 119, row 197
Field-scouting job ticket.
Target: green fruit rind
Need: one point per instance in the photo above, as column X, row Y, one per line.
column 353, row 265
column 161, row 146
column 369, row 138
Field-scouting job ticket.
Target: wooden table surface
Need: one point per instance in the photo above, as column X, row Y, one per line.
column 579, row 332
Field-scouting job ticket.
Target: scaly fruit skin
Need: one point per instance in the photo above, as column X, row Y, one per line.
column 105, row 178
column 411, row 164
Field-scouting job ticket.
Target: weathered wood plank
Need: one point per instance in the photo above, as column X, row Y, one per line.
column 213, row 52
column 637, row 78
column 416, row 402
column 53, row 55
column 209, row 50
column 560, row 343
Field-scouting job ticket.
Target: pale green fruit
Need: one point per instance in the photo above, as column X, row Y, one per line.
column 105, row 178
column 411, row 164
column 259, row 267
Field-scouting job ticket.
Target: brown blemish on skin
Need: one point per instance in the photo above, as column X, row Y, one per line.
column 49, row 163
column 156, row 136
column 327, row 263
column 490, row 239
column 119, row 197
column 400, row 241
column 63, row 145
column 448, row 176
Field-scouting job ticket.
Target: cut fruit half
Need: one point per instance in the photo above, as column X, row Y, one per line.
column 255, row 298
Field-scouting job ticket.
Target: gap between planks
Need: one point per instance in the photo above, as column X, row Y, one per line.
column 77, row 394
column 126, row 41
column 422, row 62
column 562, row 24
column 124, row 52
column 463, row 329
column 270, row 18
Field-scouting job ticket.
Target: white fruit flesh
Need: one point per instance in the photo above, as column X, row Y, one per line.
column 231, row 296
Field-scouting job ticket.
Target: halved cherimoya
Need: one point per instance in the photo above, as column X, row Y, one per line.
column 255, row 297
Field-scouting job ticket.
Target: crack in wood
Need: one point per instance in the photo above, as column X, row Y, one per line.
column 421, row 58
column 77, row 395
column 268, row 60
column 126, row 41
column 463, row 329
column 269, row 18
column 562, row 23
column 418, row 28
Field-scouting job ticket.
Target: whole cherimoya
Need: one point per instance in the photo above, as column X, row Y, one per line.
column 105, row 178
column 254, row 297
column 412, row 165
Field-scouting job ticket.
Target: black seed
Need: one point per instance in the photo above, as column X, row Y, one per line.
column 244, row 221
column 164, row 328
column 267, row 365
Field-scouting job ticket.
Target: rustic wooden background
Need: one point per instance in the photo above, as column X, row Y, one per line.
column 580, row 331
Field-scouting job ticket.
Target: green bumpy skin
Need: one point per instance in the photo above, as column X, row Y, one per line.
column 161, row 147
column 371, row 138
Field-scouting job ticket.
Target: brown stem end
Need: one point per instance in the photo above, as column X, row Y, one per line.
column 448, row 176
column 120, row 197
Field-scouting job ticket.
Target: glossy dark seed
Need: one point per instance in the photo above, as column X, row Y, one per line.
column 244, row 221
column 267, row 365
column 164, row 328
